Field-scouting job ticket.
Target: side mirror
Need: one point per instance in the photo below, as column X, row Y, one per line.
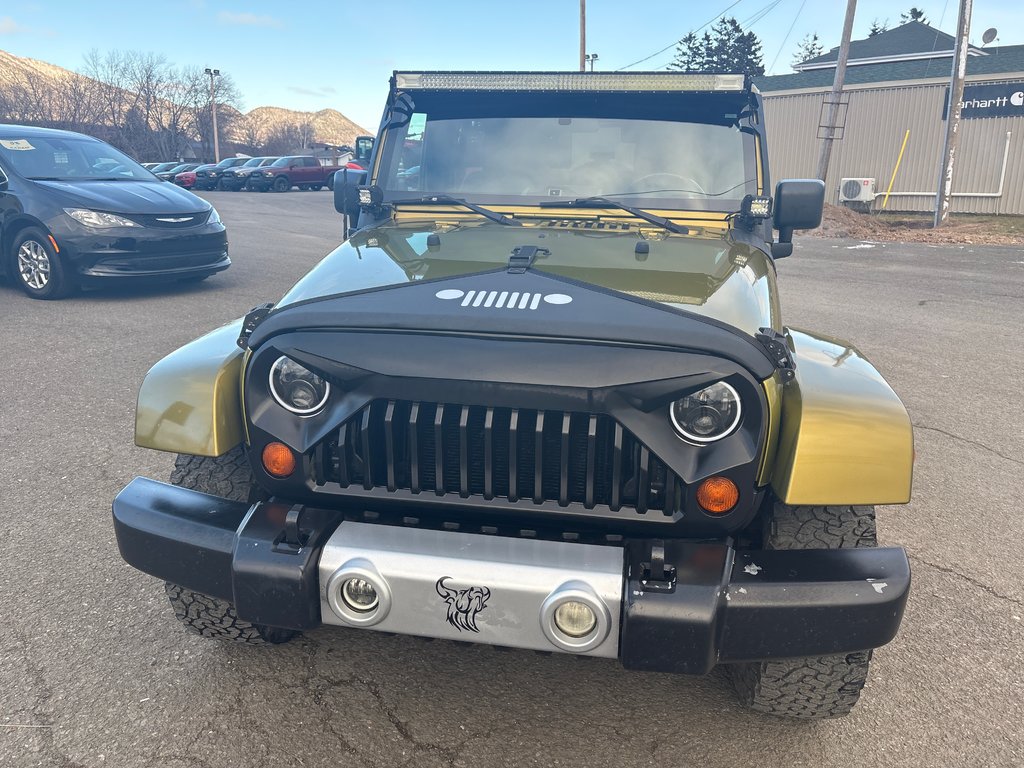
column 346, row 194
column 799, row 204
column 364, row 148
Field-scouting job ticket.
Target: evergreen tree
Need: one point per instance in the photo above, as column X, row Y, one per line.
column 914, row 14
column 878, row 27
column 727, row 48
column 809, row 48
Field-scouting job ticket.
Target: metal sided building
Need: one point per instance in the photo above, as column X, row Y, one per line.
column 896, row 82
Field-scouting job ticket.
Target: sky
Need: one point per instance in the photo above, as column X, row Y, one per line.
column 314, row 54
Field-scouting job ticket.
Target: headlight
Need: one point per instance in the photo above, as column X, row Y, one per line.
column 214, row 216
column 297, row 388
column 98, row 219
column 268, row 173
column 212, row 173
column 707, row 415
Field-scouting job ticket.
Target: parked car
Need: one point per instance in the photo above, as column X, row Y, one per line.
column 161, row 167
column 237, row 178
column 209, row 176
column 564, row 421
column 150, row 166
column 187, row 179
column 302, row 171
column 180, row 168
column 74, row 209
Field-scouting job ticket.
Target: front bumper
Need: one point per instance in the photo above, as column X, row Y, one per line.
column 283, row 565
column 145, row 251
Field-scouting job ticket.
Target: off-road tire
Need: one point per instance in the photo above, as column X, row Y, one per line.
column 823, row 686
column 282, row 184
column 229, row 476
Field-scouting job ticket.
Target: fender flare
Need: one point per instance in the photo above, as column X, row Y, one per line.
column 845, row 437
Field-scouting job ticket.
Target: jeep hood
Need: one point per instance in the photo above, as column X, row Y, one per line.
column 707, row 273
column 478, row 299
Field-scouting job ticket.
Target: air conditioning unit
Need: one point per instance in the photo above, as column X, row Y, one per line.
column 856, row 190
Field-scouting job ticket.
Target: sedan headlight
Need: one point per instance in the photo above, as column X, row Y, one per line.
column 98, row 219
column 214, row 216
column 707, row 415
column 297, row 388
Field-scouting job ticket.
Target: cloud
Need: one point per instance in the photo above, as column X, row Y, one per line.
column 303, row 91
column 9, row 26
column 248, row 20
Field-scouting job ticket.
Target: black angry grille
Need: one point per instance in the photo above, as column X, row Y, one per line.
column 517, row 455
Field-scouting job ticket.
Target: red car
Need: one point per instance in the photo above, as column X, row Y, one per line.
column 186, row 178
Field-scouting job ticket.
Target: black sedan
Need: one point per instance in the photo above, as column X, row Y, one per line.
column 74, row 209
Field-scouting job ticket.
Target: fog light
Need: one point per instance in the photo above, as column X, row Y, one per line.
column 359, row 595
column 575, row 619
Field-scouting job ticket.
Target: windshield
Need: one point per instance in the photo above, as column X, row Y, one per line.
column 230, row 162
column 678, row 155
column 69, row 159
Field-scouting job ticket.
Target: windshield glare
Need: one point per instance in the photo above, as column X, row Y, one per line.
column 69, row 159
column 664, row 163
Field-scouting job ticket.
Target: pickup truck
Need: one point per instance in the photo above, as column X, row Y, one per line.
column 304, row 172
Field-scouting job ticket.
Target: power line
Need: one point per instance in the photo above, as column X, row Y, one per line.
column 676, row 42
column 756, row 17
column 788, row 33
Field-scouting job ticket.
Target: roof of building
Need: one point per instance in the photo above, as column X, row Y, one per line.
column 910, row 38
column 997, row 61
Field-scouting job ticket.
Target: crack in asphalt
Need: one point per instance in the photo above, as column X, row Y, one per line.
column 969, row 579
column 969, row 442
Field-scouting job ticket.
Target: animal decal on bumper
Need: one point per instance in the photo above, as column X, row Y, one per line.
column 463, row 604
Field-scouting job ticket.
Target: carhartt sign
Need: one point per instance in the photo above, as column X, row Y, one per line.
column 999, row 100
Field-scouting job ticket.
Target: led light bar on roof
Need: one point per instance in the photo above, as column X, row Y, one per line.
column 568, row 81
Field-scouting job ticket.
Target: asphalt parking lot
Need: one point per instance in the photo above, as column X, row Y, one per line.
column 95, row 671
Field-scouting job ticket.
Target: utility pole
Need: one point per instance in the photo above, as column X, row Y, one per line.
column 837, row 91
column 953, row 108
column 583, row 35
column 213, row 111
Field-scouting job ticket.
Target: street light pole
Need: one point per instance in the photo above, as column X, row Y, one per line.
column 213, row 111
column 583, row 35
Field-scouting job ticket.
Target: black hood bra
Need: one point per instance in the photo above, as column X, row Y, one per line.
column 530, row 304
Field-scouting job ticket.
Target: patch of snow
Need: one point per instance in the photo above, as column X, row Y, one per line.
column 743, row 590
column 753, row 569
column 879, row 586
column 858, row 246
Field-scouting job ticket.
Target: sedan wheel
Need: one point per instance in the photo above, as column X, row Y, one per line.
column 39, row 269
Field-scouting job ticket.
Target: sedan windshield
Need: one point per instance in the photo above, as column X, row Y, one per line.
column 689, row 154
column 70, row 159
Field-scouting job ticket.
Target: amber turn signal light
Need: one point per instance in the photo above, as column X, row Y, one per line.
column 278, row 459
column 717, row 495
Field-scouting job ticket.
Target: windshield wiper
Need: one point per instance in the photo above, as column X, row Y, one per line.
column 487, row 213
column 604, row 202
column 46, row 178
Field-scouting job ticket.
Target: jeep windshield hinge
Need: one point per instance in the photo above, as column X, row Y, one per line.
column 523, row 256
column 253, row 317
column 775, row 344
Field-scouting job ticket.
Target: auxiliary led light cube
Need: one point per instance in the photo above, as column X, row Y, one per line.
column 756, row 207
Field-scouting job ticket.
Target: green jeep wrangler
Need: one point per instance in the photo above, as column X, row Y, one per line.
column 543, row 397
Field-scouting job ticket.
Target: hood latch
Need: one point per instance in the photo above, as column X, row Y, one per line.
column 523, row 256
column 253, row 317
column 775, row 344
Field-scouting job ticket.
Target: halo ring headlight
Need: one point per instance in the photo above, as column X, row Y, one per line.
column 708, row 414
column 296, row 388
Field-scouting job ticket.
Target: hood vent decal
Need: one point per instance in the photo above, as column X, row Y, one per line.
column 502, row 299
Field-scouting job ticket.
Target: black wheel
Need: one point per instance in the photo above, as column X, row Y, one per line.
column 219, row 186
column 303, row 187
column 281, row 184
column 37, row 268
column 229, row 476
column 317, row 187
column 823, row 686
column 194, row 278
